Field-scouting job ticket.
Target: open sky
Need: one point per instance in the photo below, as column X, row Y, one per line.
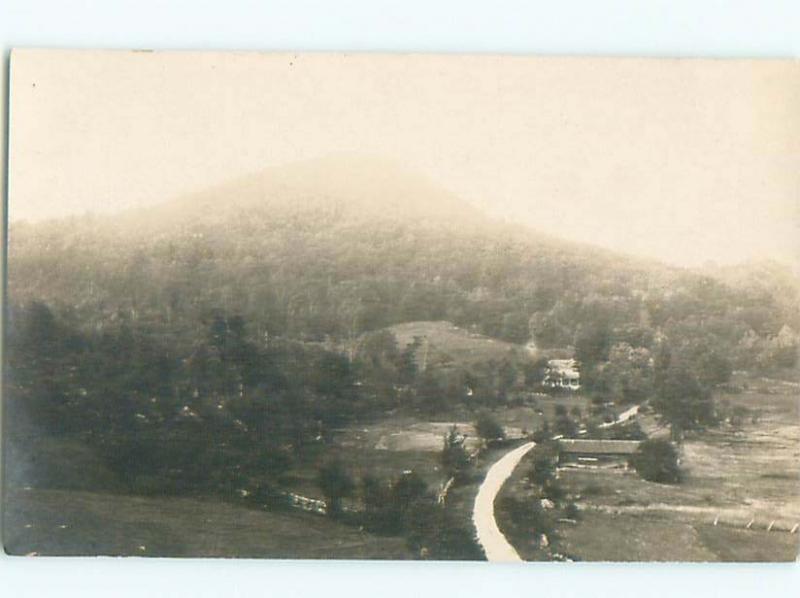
column 686, row 161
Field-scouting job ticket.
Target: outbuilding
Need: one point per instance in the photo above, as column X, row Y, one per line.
column 595, row 452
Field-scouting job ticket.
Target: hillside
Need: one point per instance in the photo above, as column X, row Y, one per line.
column 445, row 343
column 296, row 249
column 59, row 523
column 339, row 246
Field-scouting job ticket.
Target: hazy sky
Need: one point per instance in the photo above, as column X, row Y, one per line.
column 685, row 161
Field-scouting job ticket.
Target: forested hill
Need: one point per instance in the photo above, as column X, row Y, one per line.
column 332, row 248
column 212, row 343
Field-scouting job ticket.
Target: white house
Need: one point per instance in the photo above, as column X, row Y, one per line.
column 562, row 373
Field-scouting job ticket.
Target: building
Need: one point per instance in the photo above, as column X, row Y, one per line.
column 562, row 373
column 595, row 452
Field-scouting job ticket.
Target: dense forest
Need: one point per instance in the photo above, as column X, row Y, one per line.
column 219, row 337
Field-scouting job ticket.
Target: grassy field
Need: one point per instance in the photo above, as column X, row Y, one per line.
column 735, row 474
column 51, row 522
column 448, row 343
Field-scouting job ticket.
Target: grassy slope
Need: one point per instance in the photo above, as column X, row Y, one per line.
column 448, row 342
column 52, row 522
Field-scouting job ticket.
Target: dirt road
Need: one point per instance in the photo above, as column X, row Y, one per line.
column 491, row 539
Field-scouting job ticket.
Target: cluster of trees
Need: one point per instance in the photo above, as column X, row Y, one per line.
column 222, row 410
column 656, row 460
column 402, row 506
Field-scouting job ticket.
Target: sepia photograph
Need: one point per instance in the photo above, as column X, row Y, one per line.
column 429, row 307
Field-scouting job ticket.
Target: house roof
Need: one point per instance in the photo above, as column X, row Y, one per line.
column 563, row 367
column 598, row 447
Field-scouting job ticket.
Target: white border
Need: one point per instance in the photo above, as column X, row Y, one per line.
column 645, row 28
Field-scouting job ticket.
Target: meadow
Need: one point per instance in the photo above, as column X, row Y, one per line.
column 741, row 480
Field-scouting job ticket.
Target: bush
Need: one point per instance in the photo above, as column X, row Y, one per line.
column 454, row 457
column 542, row 472
column 391, row 508
column 434, row 533
column 657, row 461
column 566, row 426
column 526, row 517
column 543, row 434
column 336, row 483
column 489, row 428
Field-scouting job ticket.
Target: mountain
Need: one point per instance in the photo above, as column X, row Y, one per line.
column 358, row 189
column 343, row 245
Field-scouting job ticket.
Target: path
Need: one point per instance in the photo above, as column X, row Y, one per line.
column 491, row 539
column 623, row 417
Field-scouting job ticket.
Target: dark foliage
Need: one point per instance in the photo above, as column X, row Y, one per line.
column 455, row 460
column 657, row 461
column 488, row 428
column 336, row 484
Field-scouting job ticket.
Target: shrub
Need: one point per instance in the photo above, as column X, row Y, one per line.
column 336, row 483
column 488, row 427
column 657, row 461
column 454, row 457
column 525, row 516
column 543, row 470
column 566, row 426
column 543, row 434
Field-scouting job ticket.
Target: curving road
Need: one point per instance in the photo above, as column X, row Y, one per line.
column 491, row 539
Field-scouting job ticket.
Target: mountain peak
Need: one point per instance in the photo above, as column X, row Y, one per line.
column 361, row 187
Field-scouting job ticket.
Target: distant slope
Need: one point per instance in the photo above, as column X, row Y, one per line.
column 763, row 278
